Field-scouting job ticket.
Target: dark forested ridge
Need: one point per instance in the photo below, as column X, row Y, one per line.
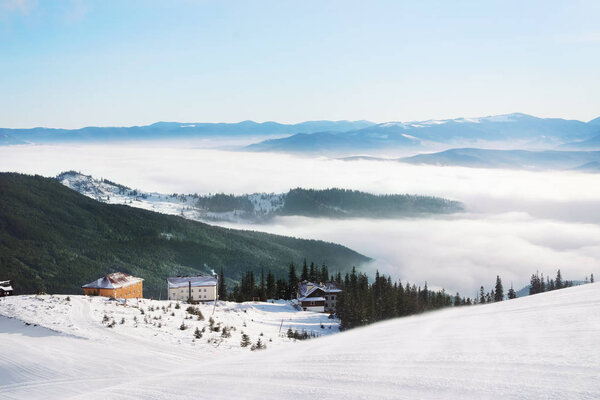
column 261, row 207
column 55, row 239
column 352, row 203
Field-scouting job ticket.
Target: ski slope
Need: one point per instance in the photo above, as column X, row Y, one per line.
column 538, row 347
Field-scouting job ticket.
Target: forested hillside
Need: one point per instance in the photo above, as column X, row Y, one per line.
column 55, row 239
column 352, row 203
column 261, row 207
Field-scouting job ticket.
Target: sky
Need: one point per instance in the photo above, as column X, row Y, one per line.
column 77, row 63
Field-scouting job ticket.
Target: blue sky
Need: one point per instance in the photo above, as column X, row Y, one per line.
column 78, row 63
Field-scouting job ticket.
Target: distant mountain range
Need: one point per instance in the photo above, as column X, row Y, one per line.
column 520, row 130
column 512, row 159
column 261, row 207
column 347, row 137
column 172, row 130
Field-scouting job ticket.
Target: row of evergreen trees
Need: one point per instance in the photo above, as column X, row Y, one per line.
column 362, row 303
column 266, row 286
column 537, row 284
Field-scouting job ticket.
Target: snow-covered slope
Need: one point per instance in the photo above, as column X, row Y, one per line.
column 184, row 205
column 539, row 347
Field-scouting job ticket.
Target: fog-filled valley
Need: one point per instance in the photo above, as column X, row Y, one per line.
column 514, row 223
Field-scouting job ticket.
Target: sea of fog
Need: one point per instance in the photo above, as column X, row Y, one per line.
column 516, row 222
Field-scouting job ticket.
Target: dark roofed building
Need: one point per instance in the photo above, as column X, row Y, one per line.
column 5, row 288
column 320, row 297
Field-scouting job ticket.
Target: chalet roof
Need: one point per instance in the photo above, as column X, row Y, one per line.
column 306, row 288
column 5, row 285
column 113, row 281
column 184, row 281
column 311, row 299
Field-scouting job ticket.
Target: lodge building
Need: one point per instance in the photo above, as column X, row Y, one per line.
column 5, row 288
column 118, row 285
column 319, row 297
column 195, row 288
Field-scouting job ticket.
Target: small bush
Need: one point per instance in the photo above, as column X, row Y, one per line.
column 183, row 326
column 197, row 333
column 245, row 340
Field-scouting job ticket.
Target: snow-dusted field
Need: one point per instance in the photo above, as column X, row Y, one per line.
column 538, row 347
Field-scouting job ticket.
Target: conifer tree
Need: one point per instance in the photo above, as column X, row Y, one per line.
column 511, row 293
column 304, row 276
column 312, row 274
column 245, row 340
column 558, row 282
column 499, row 291
column 263, row 286
column 271, row 287
column 292, row 283
column 324, row 273
column 481, row 296
column 592, row 278
column 457, row 299
column 222, row 286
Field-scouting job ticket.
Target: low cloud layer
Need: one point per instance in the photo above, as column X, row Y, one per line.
column 460, row 252
column 517, row 222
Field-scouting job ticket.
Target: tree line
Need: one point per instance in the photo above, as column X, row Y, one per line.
column 362, row 302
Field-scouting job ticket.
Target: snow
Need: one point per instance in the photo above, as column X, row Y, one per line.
column 537, row 347
column 184, row 205
column 195, row 281
column 113, row 281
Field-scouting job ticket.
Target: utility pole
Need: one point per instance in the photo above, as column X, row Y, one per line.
column 216, row 293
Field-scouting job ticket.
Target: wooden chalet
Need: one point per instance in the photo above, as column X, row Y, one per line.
column 319, row 297
column 116, row 285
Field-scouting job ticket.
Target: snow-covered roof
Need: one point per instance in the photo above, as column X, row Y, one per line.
column 113, row 281
column 184, row 281
column 306, row 288
column 311, row 299
column 6, row 288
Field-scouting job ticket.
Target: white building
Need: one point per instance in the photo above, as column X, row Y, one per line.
column 197, row 288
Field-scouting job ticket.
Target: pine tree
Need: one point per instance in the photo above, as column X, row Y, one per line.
column 197, row 333
column 304, row 276
column 324, row 273
column 292, row 283
column 457, row 299
column 481, row 296
column 312, row 274
column 271, row 287
column 499, row 292
column 558, row 282
column 245, row 340
column 592, row 278
column 222, row 286
column 511, row 293
column 263, row 287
